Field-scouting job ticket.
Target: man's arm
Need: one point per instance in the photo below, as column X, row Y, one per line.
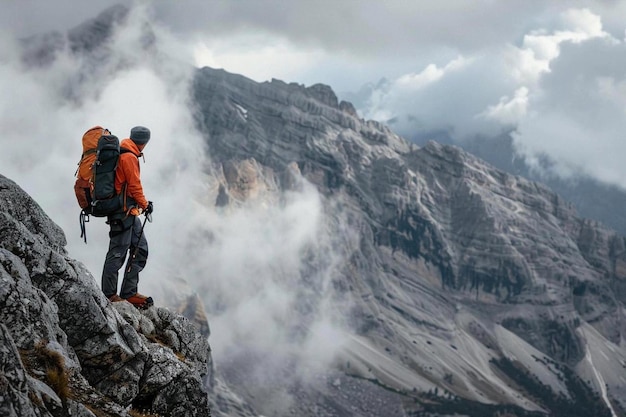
column 134, row 189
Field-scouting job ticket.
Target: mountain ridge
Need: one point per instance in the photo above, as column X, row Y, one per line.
column 438, row 212
column 594, row 199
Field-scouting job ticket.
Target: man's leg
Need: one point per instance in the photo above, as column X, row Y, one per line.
column 135, row 265
column 118, row 247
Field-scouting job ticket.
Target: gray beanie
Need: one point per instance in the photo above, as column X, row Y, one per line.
column 140, row 135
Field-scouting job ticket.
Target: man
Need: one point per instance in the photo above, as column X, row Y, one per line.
column 126, row 234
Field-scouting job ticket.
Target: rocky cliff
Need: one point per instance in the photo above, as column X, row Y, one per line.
column 66, row 350
column 464, row 280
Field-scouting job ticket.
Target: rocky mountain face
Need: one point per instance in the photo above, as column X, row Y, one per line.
column 592, row 199
column 469, row 285
column 584, row 192
column 461, row 289
column 66, row 350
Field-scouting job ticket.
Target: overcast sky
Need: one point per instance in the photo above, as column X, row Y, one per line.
column 553, row 72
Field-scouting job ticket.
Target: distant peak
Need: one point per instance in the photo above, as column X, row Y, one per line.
column 324, row 94
column 94, row 32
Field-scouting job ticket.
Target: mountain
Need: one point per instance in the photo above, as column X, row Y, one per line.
column 465, row 280
column 437, row 284
column 592, row 198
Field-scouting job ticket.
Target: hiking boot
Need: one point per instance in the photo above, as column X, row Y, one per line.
column 140, row 301
column 115, row 298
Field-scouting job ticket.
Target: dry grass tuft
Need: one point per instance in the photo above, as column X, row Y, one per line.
column 52, row 363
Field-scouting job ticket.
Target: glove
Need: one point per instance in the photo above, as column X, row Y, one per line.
column 149, row 209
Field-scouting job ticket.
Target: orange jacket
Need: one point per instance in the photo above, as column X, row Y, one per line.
column 128, row 173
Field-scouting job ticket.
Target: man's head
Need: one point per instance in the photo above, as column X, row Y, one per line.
column 140, row 135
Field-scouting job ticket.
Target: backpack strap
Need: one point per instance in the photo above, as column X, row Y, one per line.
column 88, row 152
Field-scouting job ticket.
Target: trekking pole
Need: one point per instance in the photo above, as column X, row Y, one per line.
column 134, row 255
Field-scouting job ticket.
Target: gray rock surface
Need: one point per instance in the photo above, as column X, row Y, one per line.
column 66, row 349
column 459, row 265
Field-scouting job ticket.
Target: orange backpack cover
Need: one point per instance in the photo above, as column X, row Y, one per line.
column 84, row 173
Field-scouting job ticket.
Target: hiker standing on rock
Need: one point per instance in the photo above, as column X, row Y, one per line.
column 126, row 234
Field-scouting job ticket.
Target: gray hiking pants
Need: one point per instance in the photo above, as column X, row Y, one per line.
column 122, row 243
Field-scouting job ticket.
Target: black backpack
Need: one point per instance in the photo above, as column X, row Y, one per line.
column 104, row 200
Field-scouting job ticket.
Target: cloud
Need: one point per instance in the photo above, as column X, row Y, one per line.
column 253, row 272
column 344, row 45
column 368, row 27
column 575, row 109
column 578, row 117
column 447, row 99
column 430, row 74
column 539, row 48
column 29, row 17
column 259, row 57
column 509, row 111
